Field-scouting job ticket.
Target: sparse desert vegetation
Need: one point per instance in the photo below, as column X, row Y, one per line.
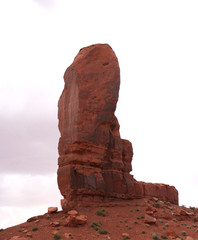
column 121, row 221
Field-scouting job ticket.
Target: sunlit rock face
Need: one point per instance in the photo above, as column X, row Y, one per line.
column 94, row 162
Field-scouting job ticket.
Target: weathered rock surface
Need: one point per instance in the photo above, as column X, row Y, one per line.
column 149, row 219
column 94, row 162
column 52, row 209
column 73, row 220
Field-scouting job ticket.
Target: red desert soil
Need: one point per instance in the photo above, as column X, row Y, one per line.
column 122, row 220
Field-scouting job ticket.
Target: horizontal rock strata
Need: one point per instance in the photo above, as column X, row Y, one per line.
column 94, row 162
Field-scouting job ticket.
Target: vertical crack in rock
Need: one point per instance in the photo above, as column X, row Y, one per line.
column 94, row 162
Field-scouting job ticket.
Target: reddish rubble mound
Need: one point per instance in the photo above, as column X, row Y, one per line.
column 94, row 162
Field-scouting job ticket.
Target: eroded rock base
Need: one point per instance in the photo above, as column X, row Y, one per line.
column 94, row 162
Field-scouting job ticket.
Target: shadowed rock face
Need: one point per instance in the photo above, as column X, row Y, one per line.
column 94, row 162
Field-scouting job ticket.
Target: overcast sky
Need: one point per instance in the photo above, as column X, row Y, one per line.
column 156, row 45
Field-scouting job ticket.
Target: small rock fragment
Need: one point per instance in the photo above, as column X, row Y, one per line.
column 32, row 219
column 52, row 209
column 185, row 213
column 73, row 220
column 125, row 235
column 70, row 221
column 149, row 219
column 151, row 209
column 55, row 224
column 73, row 212
column 64, row 204
column 81, row 219
column 155, row 199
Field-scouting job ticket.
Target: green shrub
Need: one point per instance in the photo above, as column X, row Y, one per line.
column 93, row 224
column 143, row 232
column 157, row 204
column 155, row 236
column 34, row 228
column 20, row 230
column 57, row 236
column 96, row 226
column 102, row 231
column 183, row 233
column 101, row 212
column 164, row 236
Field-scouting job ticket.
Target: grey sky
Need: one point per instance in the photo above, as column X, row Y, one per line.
column 28, row 141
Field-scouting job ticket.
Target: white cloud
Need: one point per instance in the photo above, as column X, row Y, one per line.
column 25, row 196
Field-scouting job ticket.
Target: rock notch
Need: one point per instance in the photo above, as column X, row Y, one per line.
column 94, row 162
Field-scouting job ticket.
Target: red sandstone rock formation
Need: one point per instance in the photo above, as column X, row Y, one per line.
column 94, row 162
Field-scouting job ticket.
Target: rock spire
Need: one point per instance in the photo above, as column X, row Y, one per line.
column 94, row 162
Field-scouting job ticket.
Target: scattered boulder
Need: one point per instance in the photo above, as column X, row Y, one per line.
column 52, row 209
column 74, row 220
column 185, row 213
column 81, row 219
column 72, row 212
column 150, row 210
column 125, row 235
column 70, row 221
column 55, row 224
column 149, row 219
column 155, row 199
